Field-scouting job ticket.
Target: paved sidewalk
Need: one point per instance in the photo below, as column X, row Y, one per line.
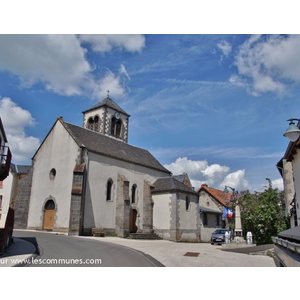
column 169, row 254
column 172, row 254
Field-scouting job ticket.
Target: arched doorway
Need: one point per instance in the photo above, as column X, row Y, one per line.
column 49, row 215
column 132, row 225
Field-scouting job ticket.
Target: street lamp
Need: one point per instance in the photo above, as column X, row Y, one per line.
column 226, row 189
column 292, row 132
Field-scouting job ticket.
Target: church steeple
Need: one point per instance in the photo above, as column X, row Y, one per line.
column 107, row 118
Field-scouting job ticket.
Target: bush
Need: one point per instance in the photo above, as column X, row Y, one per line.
column 262, row 213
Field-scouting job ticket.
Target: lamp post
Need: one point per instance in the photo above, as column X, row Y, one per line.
column 238, row 231
column 292, row 132
column 226, row 190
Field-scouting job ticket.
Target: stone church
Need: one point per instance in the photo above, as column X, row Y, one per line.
column 87, row 179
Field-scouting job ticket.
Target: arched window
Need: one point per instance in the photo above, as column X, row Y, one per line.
column 109, row 190
column 96, row 123
column 113, row 125
column 116, row 126
column 187, row 202
column 93, row 123
column 133, row 194
column 90, row 123
column 50, row 204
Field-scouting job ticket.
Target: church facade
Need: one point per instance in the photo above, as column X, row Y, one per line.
column 89, row 178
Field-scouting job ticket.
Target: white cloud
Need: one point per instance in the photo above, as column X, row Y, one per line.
column 278, row 184
column 106, row 42
column 225, row 47
column 215, row 171
column 214, row 175
column 123, row 71
column 15, row 119
column 57, row 61
column 264, row 63
column 109, row 82
column 236, row 180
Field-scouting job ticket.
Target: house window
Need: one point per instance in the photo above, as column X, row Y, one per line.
column 108, row 189
column 1, row 202
column 218, row 220
column 133, row 193
column 205, row 219
column 187, row 202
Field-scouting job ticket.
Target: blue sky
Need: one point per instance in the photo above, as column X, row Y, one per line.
column 214, row 106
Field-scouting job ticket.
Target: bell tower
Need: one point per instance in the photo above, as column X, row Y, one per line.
column 107, row 118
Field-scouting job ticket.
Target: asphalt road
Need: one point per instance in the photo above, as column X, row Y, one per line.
column 70, row 251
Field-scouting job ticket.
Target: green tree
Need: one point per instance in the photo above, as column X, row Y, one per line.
column 262, row 213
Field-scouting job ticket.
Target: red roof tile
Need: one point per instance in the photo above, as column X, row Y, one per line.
column 222, row 197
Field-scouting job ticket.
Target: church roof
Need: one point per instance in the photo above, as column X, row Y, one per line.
column 109, row 103
column 110, row 147
column 167, row 184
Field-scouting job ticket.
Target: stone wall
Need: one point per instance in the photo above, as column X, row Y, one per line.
column 122, row 207
column 147, row 208
column 22, row 200
column 289, row 188
column 76, row 200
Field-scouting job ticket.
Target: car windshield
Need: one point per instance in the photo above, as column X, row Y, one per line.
column 220, row 231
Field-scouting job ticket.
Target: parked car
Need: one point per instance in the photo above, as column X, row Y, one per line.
column 218, row 236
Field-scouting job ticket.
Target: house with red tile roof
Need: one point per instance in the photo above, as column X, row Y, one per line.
column 212, row 203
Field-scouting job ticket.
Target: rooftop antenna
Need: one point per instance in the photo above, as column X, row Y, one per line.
column 107, row 93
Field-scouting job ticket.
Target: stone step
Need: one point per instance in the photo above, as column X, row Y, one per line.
column 144, row 236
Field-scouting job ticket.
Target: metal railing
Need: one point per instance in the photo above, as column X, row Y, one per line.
column 5, row 158
column 287, row 244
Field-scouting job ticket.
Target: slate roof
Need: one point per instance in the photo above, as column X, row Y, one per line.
column 217, row 194
column 209, row 210
column 111, row 147
column 167, row 184
column 20, row 169
column 292, row 234
column 109, row 103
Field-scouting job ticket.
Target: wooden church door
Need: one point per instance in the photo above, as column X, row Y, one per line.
column 49, row 215
column 132, row 226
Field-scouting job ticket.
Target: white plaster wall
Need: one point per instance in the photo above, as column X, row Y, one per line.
column 58, row 151
column 296, row 168
column 188, row 219
column 100, row 213
column 5, row 192
column 162, row 211
column 207, row 230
